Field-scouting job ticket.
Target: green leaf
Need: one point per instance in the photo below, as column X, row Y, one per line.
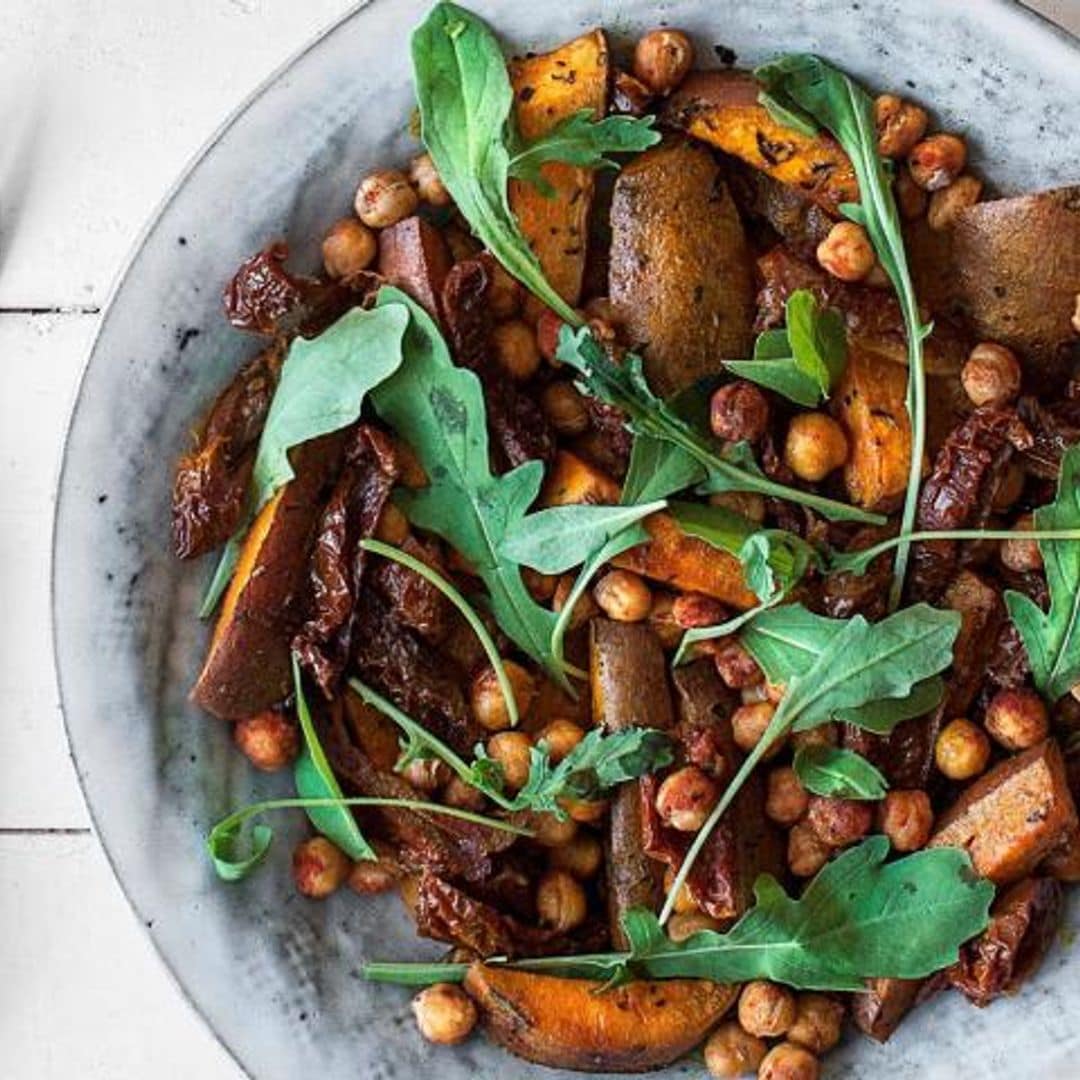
column 556, row 539
column 781, row 375
column 234, row 854
column 466, row 102
column 840, row 774
column 623, row 385
column 1052, row 637
column 724, row 629
column 438, row 409
column 788, row 114
column 881, row 717
column 658, row 469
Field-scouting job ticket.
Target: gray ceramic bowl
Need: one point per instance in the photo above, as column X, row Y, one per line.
column 275, row 975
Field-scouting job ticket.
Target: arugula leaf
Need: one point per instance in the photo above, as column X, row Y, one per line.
column 724, row 629
column 584, row 141
column 841, row 774
column 807, row 87
column 438, row 408
column 624, row 386
column 1052, row 638
column 322, row 388
column 881, row 717
column 658, row 469
column 466, row 103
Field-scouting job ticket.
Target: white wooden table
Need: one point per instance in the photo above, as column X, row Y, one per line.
column 102, row 102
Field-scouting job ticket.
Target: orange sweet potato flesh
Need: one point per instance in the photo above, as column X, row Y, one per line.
column 721, row 108
column 414, row 256
column 1012, row 816
column 566, row 1024
column 687, row 563
column 572, row 480
column 247, row 668
column 549, row 88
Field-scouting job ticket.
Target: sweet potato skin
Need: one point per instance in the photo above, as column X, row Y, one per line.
column 414, row 256
column 566, row 1024
column 721, row 108
column 547, row 89
column 680, row 277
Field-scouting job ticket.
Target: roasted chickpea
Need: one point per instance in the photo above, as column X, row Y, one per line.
column 504, row 292
column 685, row 798
column 488, row 703
column 739, row 411
column 910, row 198
column 548, row 328
column 514, row 344
column 900, row 125
column 748, row 503
column 512, row 750
column 427, row 774
column 691, row 610
column 807, row 853
column 560, row 901
column 565, row 408
column 766, row 1009
column 550, row 831
column 348, row 248
column 1017, row 719
column 748, row 723
column 732, row 1052
column 623, row 596
column 839, row 822
column 815, row 445
column 269, row 740
column 818, row 1023
column 585, row 811
column 786, row 800
column 937, row 161
column 846, row 252
column 463, row 796
column 991, row 375
column 685, row 904
column 688, row 923
column 789, row 1062
column 444, row 1013
column 947, row 203
column 384, row 198
column 906, row 818
column 428, row 182
column 662, row 58
column 584, row 609
column 370, row 878
column 541, row 586
column 962, row 750
column 560, row 736
column 1020, row 554
column 582, row 856
column 392, row 527
column 662, row 620
column 319, row 867
column 736, row 667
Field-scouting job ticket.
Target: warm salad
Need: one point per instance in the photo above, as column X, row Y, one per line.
column 652, row 544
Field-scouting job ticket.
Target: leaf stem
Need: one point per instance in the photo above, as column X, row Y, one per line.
column 708, row 633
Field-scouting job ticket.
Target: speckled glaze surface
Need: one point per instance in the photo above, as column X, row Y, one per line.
column 277, row 976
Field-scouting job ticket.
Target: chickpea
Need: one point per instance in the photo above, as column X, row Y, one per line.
column 739, row 411
column 560, row 736
column 748, row 503
column 427, row 774
column 392, row 527
column 565, row 408
column 1020, row 554
column 736, row 667
column 582, row 856
column 789, row 1062
column 749, row 722
column 685, row 798
column 623, row 596
column 370, row 878
column 560, row 901
column 1017, row 719
column 384, row 198
column 822, row 735
column 818, row 1023
column 815, row 445
column 900, row 125
column 504, row 292
column 906, row 818
column 541, row 586
column 488, row 703
column 937, row 161
column 962, row 750
column 550, row 831
column 269, row 740
column 692, row 610
column 991, row 375
column 319, row 867
column 512, row 750
column 514, row 344
column 584, row 609
column 685, row 904
column 807, row 853
column 786, row 800
column 685, row 925
column 662, row 59
column 463, row 796
column 732, row 1052
column 428, row 182
column 348, row 248
column 585, row 812
column 948, row 202
column 910, row 198
column 846, row 252
column 444, row 1013
column 548, row 328
column 766, row 1009
column 839, row 822
column 662, row 620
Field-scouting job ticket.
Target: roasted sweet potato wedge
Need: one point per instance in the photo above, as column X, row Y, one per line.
column 572, row 480
column 547, row 89
column 721, row 108
column 247, row 668
column 688, row 563
column 680, row 277
column 566, row 1024
column 414, row 256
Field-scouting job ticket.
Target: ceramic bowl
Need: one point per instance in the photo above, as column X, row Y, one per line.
column 275, row 975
